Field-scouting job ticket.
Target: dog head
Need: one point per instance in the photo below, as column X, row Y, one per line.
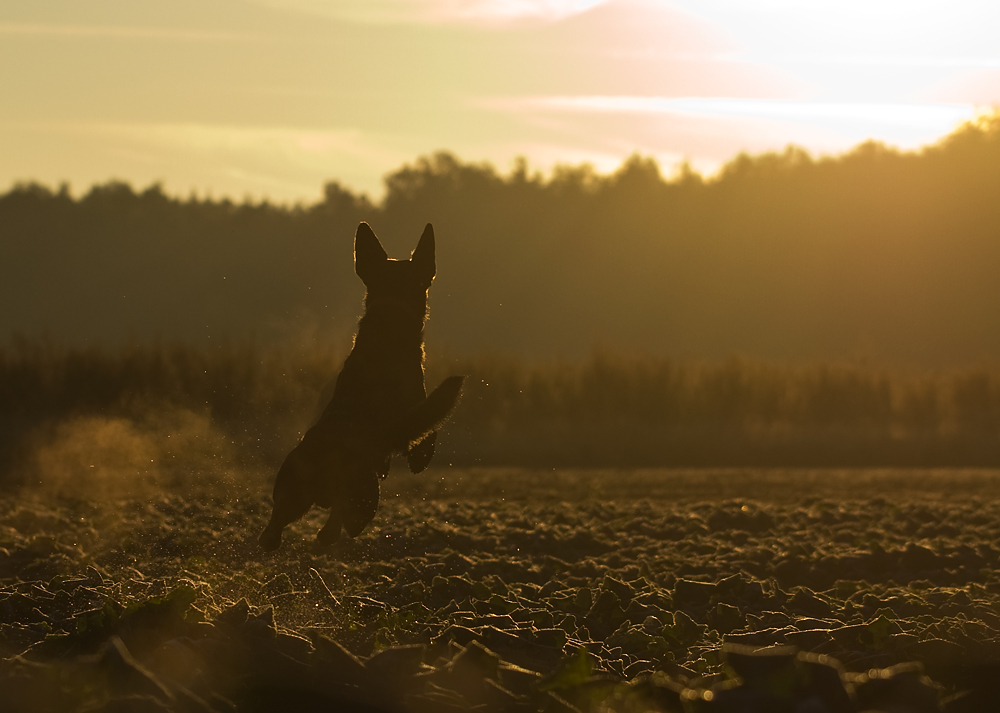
column 379, row 273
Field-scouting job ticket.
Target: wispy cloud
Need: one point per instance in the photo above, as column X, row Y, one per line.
column 433, row 11
column 304, row 146
column 901, row 124
column 653, row 53
column 913, row 114
column 930, row 61
column 123, row 32
column 279, row 162
column 508, row 9
column 909, row 113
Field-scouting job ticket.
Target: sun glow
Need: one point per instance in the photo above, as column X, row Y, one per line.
column 861, row 50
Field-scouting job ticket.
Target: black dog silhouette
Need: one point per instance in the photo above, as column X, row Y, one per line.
column 379, row 406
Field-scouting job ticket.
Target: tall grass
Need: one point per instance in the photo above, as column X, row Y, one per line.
column 618, row 410
column 253, row 401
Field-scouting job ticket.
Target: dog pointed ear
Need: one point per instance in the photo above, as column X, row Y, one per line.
column 423, row 254
column 368, row 252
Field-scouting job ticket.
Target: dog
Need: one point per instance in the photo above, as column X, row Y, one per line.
column 379, row 406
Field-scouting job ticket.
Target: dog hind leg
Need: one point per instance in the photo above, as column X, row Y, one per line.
column 286, row 511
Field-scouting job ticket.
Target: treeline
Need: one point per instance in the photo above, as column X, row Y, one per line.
column 206, row 411
column 874, row 253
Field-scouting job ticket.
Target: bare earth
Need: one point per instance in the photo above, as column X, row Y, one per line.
column 505, row 590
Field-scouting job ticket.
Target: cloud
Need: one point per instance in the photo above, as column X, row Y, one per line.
column 289, row 141
column 902, row 124
column 508, row 9
column 436, row 11
column 761, row 108
column 281, row 163
column 267, row 155
column 933, row 61
column 123, row 32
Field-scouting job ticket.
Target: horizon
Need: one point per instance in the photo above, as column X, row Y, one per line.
column 680, row 171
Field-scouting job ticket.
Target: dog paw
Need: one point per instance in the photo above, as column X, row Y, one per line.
column 327, row 537
column 269, row 540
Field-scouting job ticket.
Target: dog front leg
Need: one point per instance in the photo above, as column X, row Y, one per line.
column 418, row 457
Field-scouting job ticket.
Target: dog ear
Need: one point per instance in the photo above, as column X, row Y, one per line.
column 368, row 252
column 423, row 254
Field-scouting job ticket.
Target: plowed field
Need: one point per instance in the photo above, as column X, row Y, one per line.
column 513, row 590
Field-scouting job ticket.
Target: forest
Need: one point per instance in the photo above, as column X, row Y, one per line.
column 875, row 254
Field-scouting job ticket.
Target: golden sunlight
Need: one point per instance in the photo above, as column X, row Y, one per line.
column 272, row 98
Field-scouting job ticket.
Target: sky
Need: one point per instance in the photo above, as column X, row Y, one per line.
column 272, row 98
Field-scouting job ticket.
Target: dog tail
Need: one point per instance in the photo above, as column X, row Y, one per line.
column 430, row 414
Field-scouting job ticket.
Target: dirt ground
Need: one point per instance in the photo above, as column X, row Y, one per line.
column 502, row 589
